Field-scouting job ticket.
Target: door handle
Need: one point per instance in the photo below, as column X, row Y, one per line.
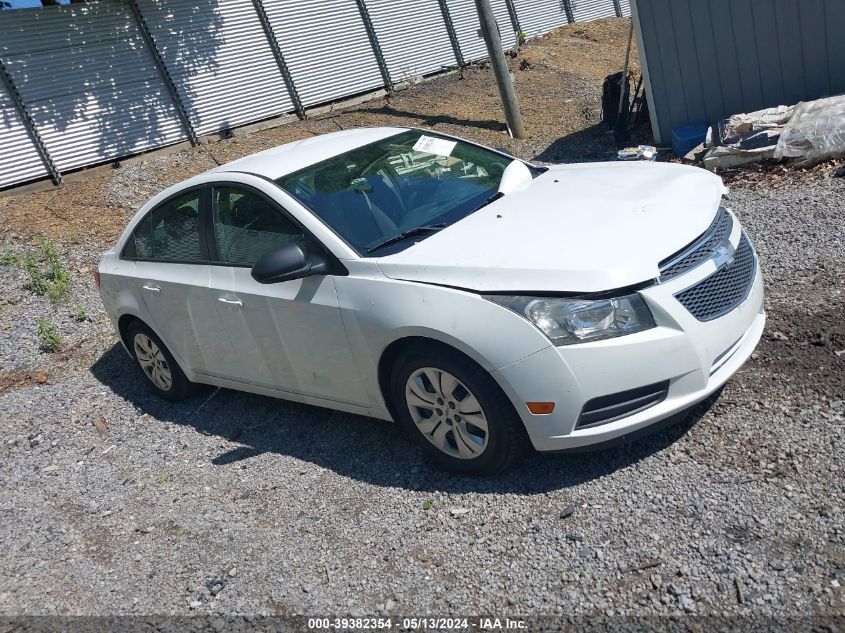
column 151, row 288
column 233, row 302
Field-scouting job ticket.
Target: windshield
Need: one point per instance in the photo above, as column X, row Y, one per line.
column 375, row 193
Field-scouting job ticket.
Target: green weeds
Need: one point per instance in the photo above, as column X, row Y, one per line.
column 48, row 336
column 45, row 267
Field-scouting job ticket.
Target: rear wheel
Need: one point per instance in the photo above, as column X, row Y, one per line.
column 157, row 363
column 456, row 412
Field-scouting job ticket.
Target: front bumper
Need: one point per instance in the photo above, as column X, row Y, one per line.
column 696, row 357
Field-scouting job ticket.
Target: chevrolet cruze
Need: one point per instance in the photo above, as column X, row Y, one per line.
column 476, row 299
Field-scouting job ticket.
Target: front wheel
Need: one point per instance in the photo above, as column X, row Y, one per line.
column 456, row 412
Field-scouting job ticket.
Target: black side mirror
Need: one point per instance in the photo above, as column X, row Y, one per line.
column 286, row 263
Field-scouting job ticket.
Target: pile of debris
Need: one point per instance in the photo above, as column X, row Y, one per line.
column 807, row 133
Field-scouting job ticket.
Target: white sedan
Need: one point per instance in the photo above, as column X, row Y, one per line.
column 474, row 298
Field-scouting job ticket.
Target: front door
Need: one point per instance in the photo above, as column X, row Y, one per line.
column 288, row 335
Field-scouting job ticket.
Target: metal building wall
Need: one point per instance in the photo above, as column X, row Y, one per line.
column 220, row 61
column 19, row 160
column 326, row 48
column 413, row 37
column 88, row 82
column 465, row 20
column 708, row 59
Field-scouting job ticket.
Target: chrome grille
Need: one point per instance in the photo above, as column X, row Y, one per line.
column 700, row 250
column 725, row 289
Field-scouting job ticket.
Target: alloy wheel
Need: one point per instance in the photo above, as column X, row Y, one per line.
column 446, row 413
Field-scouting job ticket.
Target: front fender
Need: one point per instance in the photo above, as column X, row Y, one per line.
column 380, row 311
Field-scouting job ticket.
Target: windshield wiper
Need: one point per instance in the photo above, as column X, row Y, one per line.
column 419, row 230
column 492, row 198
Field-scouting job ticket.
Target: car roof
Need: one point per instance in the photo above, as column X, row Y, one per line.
column 285, row 159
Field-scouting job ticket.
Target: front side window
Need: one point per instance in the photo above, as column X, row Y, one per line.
column 377, row 192
column 171, row 231
column 247, row 225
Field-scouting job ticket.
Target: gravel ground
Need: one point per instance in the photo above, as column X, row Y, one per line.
column 115, row 502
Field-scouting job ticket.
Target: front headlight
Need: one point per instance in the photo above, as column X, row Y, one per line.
column 567, row 321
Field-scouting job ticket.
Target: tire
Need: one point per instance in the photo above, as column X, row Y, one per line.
column 161, row 371
column 434, row 415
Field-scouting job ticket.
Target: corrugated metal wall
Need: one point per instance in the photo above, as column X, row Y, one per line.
column 220, row 61
column 586, row 10
column 413, row 37
column 465, row 20
column 708, row 59
column 110, row 78
column 88, row 82
column 19, row 160
column 540, row 16
column 326, row 47
column 537, row 17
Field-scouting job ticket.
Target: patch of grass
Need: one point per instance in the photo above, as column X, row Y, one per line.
column 49, row 337
column 80, row 315
column 162, row 479
column 776, row 473
column 587, row 113
column 37, row 280
column 48, row 276
column 8, row 258
column 57, row 274
column 427, row 505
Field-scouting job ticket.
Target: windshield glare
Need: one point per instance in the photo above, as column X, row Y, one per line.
column 375, row 192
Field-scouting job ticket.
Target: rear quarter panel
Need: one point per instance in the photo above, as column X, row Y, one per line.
column 117, row 295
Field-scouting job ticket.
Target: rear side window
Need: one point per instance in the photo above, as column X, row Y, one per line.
column 171, row 231
column 246, row 226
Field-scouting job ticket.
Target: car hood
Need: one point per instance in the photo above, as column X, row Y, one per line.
column 576, row 228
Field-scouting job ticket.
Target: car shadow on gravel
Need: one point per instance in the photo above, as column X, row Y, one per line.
column 593, row 143
column 361, row 448
column 590, row 144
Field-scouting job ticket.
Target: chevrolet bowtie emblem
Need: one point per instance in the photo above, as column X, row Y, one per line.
column 723, row 254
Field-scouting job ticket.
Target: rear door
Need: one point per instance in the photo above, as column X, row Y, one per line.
column 172, row 276
column 287, row 335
